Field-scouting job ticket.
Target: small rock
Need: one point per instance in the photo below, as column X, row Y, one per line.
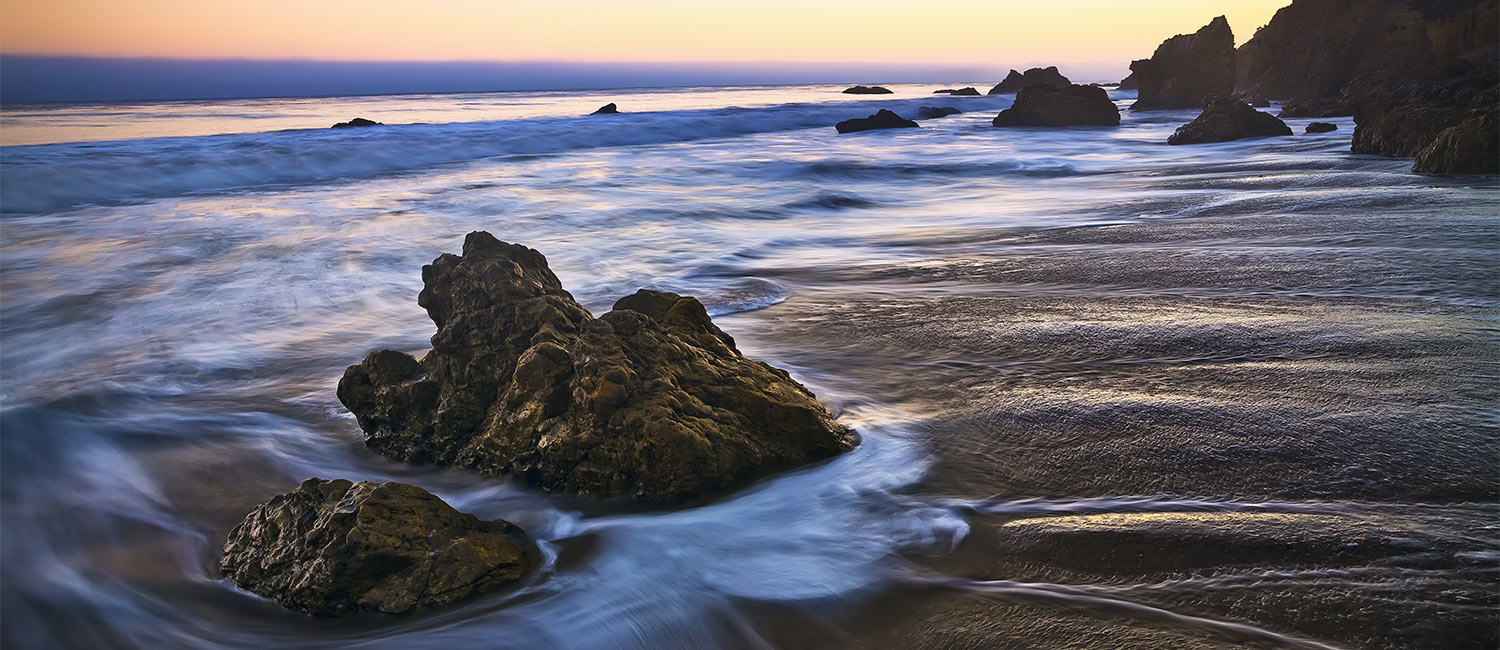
column 358, row 121
column 1075, row 105
column 934, row 112
column 607, row 109
column 882, row 120
column 1224, row 119
column 867, row 90
column 1320, row 127
column 335, row 547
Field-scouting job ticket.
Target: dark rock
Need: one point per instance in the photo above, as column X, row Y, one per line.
column 1186, row 69
column 650, row 399
column 1469, row 147
column 1398, row 116
column 1325, row 107
column 934, row 112
column 607, row 109
column 867, row 90
column 358, row 121
column 1320, row 127
column 1312, row 48
column 1224, row 119
column 1128, row 83
column 1015, row 81
column 1074, row 105
column 336, row 547
column 966, row 91
column 882, row 120
column 1257, row 101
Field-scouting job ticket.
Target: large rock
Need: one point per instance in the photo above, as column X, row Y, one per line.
column 650, row 399
column 1224, row 119
column 1186, row 69
column 1398, row 116
column 1015, row 81
column 335, row 547
column 1312, row 48
column 1469, row 147
column 1075, row 105
column 867, row 90
column 884, row 119
column 934, row 112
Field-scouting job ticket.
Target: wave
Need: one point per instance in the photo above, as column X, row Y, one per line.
column 42, row 178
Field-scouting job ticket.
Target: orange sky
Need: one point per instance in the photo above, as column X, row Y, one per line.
column 942, row 31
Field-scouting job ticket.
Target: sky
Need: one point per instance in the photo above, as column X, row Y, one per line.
column 1098, row 37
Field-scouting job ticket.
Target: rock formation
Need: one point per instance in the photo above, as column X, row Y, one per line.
column 966, row 91
column 1469, row 147
column 1320, row 127
column 1128, row 83
column 1074, row 105
column 358, row 121
column 335, row 547
column 1186, row 69
column 1015, row 81
column 1401, row 117
column 882, row 120
column 607, row 109
column 1224, row 119
column 649, row 400
column 867, row 90
column 934, row 112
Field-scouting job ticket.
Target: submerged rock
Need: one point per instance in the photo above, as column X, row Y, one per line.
column 1015, row 81
column 1044, row 105
column 358, row 121
column 1320, row 127
column 884, row 119
column 650, row 399
column 934, row 112
column 607, row 109
column 335, row 547
column 1224, row 119
column 1186, row 69
column 1469, row 147
column 867, row 90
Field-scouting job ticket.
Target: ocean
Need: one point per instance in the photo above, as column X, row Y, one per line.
column 1113, row 393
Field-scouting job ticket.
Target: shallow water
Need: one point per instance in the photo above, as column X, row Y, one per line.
column 1113, row 393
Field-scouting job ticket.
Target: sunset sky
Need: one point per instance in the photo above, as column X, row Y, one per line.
column 947, row 31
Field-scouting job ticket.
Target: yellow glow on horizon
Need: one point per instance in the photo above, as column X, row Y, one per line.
column 992, row 32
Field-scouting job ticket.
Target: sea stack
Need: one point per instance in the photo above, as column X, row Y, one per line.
column 1015, row 81
column 1186, row 69
column 650, row 400
column 1043, row 105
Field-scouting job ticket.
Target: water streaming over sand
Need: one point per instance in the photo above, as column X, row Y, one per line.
column 1114, row 393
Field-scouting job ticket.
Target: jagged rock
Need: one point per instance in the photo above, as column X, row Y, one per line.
column 650, row 399
column 1224, row 119
column 358, row 121
column 882, row 120
column 1186, row 69
column 867, row 90
column 1469, row 147
column 1320, row 127
column 1128, row 83
column 607, row 109
column 934, row 112
column 335, row 547
column 1015, row 81
column 1074, row 105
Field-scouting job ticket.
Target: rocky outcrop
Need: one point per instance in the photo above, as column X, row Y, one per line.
column 1469, row 147
column 335, row 547
column 1398, row 116
column 882, row 120
column 867, row 90
column 934, row 112
column 358, row 121
column 1015, row 81
column 649, row 400
column 1256, row 101
column 1128, row 83
column 1312, row 48
column 1073, row 105
column 1224, row 119
column 607, row 109
column 1320, row 127
column 1186, row 69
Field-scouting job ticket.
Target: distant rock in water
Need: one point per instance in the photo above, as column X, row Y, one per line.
column 966, row 91
column 335, row 547
column 934, row 112
column 1469, row 147
column 1320, row 127
column 1128, row 83
column 867, row 90
column 1224, row 119
column 1043, row 105
column 607, row 109
column 649, row 400
column 884, row 119
column 358, row 121
column 1015, row 81
column 1186, row 69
